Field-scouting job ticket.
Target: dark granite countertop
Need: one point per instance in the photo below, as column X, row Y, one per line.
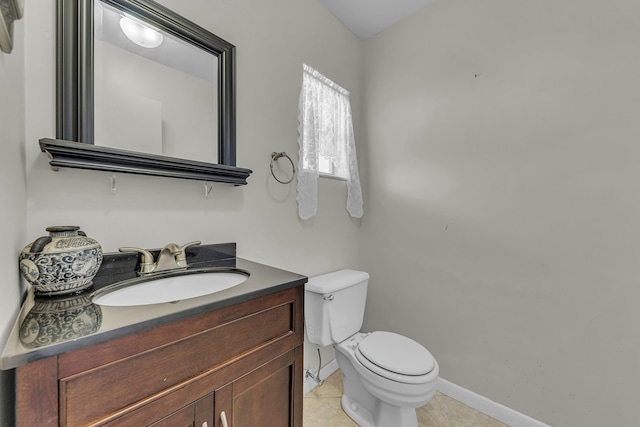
column 50, row 326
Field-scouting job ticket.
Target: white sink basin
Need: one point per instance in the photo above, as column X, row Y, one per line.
column 169, row 289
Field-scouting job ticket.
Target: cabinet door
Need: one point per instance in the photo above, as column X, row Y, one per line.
column 182, row 418
column 223, row 406
column 204, row 412
column 197, row 414
column 265, row 403
column 269, row 396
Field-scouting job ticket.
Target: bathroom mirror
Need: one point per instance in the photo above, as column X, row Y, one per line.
column 141, row 89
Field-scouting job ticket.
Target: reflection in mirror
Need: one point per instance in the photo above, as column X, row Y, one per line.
column 120, row 104
column 151, row 89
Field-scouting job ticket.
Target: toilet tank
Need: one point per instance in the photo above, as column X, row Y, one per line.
column 334, row 305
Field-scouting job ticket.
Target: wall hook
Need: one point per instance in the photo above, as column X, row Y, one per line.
column 208, row 189
column 113, row 184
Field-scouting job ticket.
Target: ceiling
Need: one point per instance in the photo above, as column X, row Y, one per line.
column 366, row 18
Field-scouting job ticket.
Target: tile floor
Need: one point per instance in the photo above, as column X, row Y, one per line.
column 322, row 409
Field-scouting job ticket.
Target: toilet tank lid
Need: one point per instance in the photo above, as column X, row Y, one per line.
column 331, row 282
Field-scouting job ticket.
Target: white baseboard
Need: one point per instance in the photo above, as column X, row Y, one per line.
column 487, row 406
column 479, row 403
column 325, row 371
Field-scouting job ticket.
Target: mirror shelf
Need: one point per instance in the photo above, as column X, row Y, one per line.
column 71, row 154
column 75, row 145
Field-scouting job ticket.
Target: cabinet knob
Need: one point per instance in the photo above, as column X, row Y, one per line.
column 223, row 419
column 204, row 424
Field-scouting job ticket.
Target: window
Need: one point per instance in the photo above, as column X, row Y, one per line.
column 326, row 141
column 327, row 168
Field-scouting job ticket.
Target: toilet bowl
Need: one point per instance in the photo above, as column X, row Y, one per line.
column 385, row 395
column 386, row 376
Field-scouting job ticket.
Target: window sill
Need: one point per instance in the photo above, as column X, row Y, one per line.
column 337, row 178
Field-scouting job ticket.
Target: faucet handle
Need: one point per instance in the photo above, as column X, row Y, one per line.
column 187, row 245
column 181, row 257
column 147, row 263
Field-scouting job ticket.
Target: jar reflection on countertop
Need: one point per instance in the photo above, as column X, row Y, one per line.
column 53, row 320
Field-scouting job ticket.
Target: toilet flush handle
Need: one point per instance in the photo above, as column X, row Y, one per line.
column 328, row 297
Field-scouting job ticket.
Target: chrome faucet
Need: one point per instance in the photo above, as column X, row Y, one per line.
column 171, row 257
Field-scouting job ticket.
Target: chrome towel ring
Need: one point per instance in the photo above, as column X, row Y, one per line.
column 274, row 157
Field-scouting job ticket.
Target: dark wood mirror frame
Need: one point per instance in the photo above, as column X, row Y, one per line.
column 73, row 146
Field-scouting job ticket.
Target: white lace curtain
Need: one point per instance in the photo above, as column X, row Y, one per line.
column 325, row 129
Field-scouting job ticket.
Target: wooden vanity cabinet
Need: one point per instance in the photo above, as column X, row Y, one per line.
column 243, row 361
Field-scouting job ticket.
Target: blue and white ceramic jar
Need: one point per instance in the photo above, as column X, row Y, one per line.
column 61, row 263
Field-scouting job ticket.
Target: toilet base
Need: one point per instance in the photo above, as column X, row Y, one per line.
column 387, row 415
column 356, row 412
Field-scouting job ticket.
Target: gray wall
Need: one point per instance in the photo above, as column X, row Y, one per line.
column 13, row 193
column 502, row 229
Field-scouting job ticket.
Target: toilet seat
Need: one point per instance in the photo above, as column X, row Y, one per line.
column 395, row 357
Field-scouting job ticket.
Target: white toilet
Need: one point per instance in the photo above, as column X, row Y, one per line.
column 386, row 376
